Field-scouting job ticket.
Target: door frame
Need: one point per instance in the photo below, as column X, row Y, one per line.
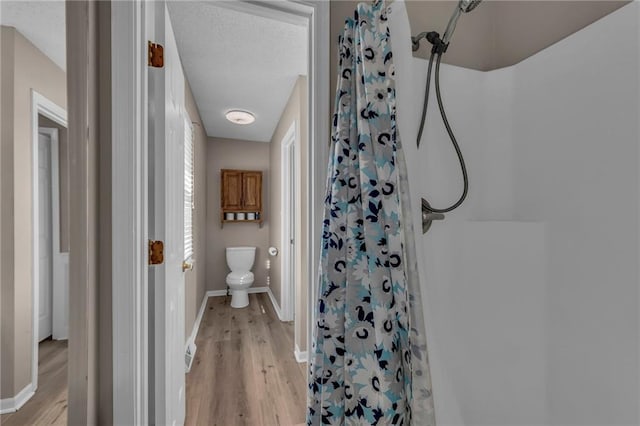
column 129, row 212
column 288, row 175
column 40, row 105
column 130, row 169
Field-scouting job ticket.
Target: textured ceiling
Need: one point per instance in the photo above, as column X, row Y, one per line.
column 238, row 60
column 41, row 22
column 498, row 33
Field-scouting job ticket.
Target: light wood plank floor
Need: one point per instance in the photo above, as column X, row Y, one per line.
column 244, row 372
column 49, row 405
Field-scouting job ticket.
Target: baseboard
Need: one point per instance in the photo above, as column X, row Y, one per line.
column 190, row 347
column 276, row 307
column 196, row 325
column 251, row 290
column 300, row 356
column 274, row 302
column 11, row 405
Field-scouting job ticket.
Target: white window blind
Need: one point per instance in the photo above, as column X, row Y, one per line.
column 188, row 189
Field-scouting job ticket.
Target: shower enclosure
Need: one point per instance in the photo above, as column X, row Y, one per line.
column 531, row 286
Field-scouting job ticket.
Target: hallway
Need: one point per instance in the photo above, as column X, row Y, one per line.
column 244, row 372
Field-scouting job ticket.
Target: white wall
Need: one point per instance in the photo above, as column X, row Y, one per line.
column 576, row 151
column 484, row 307
column 531, row 296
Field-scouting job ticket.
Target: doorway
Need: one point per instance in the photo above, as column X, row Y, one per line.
column 46, row 138
column 50, row 248
column 50, row 259
column 290, row 221
column 53, row 275
column 133, row 404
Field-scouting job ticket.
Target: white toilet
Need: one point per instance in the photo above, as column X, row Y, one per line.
column 240, row 261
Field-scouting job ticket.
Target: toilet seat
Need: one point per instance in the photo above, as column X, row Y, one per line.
column 240, row 278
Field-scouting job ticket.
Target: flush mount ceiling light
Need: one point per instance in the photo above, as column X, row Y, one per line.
column 237, row 116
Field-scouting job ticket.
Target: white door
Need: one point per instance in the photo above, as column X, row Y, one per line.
column 45, row 273
column 166, row 217
column 59, row 259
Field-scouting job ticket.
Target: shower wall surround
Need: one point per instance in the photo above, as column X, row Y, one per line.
column 531, row 287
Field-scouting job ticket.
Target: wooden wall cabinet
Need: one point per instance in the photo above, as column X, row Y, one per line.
column 241, row 192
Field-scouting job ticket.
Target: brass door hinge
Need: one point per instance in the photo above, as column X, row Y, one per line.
column 156, row 252
column 156, row 55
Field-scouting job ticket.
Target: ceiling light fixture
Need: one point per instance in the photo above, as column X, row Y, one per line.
column 237, row 116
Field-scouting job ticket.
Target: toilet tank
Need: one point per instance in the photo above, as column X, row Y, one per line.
column 240, row 258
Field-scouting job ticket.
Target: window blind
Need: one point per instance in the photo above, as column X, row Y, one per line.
column 188, row 189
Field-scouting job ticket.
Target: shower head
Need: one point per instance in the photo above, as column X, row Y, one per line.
column 468, row 5
column 464, row 6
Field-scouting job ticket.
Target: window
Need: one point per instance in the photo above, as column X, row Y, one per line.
column 188, row 189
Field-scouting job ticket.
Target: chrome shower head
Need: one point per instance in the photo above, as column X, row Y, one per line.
column 464, row 6
column 468, row 5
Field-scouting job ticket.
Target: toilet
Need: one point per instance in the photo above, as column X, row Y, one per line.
column 240, row 261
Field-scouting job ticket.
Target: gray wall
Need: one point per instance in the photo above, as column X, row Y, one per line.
column 6, row 215
column 24, row 68
column 244, row 155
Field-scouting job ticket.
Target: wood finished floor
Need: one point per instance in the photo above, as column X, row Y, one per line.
column 244, row 372
column 49, row 404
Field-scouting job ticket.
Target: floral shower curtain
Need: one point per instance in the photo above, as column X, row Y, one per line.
column 368, row 363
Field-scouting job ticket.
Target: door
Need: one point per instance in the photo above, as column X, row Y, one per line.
column 166, row 222
column 45, row 263
column 59, row 259
column 252, row 190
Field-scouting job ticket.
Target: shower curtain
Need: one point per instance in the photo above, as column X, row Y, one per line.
column 368, row 362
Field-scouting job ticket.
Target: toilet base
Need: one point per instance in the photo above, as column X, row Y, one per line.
column 239, row 298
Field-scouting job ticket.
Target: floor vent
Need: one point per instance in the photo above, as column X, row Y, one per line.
column 190, row 355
